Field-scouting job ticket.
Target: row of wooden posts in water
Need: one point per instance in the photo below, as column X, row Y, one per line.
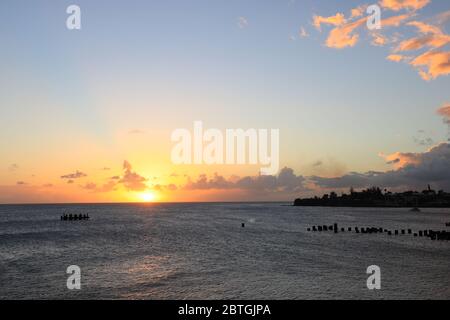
column 74, row 217
column 432, row 234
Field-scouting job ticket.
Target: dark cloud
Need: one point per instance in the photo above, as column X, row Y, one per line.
column 415, row 170
column 444, row 111
column 76, row 175
column 286, row 181
column 423, row 141
column 21, row 183
column 394, row 161
column 70, row 181
column 115, row 178
column 317, row 163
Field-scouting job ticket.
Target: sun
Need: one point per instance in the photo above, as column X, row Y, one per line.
column 147, row 196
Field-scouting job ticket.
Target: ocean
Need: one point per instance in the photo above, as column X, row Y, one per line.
column 201, row 251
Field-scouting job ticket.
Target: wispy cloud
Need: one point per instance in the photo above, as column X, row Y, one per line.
column 242, row 22
column 76, row 175
column 13, row 167
column 303, row 33
column 397, row 5
column 396, row 57
column 337, row 20
column 136, row 131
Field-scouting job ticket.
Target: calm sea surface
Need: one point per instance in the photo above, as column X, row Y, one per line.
column 200, row 251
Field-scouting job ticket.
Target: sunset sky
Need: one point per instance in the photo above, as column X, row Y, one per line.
column 87, row 115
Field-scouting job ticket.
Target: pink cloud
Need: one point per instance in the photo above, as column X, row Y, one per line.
column 432, row 64
column 336, row 20
column 397, row 5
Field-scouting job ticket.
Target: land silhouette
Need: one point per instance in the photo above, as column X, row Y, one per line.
column 375, row 197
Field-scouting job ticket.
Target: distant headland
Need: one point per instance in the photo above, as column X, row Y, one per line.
column 375, row 197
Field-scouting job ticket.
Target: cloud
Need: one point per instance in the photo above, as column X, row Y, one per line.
column 115, row 178
column 412, row 170
column 416, row 43
column 397, row 5
column 48, row 185
column 426, row 141
column 169, row 187
column 70, row 182
column 422, row 140
column 378, row 39
column 203, row 183
column 285, row 181
column 302, row 33
column 336, row 20
column 444, row 111
column 432, row 64
column 107, row 187
column 344, row 36
column 76, row 175
column 395, row 21
column 429, row 65
column 395, row 57
column 442, row 18
column 13, row 167
column 132, row 180
column 21, row 183
column 358, row 11
column 242, row 22
column 425, row 28
column 89, row 186
column 317, row 163
column 136, row 131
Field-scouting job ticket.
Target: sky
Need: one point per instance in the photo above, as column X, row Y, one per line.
column 87, row 115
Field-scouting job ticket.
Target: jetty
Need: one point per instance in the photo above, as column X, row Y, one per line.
column 430, row 234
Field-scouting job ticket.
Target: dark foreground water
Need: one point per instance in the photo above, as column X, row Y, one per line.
column 200, row 251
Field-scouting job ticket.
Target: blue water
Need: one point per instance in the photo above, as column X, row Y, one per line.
column 200, row 251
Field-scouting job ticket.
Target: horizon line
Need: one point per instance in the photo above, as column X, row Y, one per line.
column 131, row 202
